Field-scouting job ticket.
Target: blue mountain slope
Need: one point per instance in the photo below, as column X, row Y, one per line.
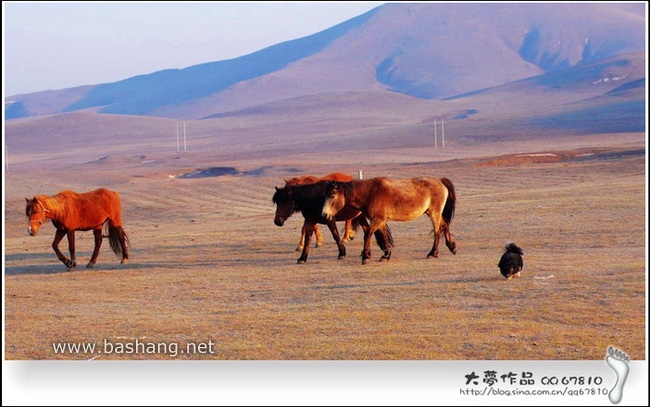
column 141, row 94
column 620, row 110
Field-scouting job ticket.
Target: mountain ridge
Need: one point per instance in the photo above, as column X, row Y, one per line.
column 425, row 50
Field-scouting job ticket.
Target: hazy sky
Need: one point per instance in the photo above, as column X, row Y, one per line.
column 57, row 45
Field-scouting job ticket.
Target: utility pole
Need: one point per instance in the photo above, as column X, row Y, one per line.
column 435, row 134
column 177, row 143
column 443, row 132
column 184, row 139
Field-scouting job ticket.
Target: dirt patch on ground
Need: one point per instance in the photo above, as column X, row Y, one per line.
column 559, row 156
column 210, row 172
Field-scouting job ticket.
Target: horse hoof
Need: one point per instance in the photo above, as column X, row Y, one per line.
column 384, row 259
column 299, row 248
column 71, row 264
column 124, row 261
column 301, row 261
column 365, row 261
column 341, row 257
column 90, row 265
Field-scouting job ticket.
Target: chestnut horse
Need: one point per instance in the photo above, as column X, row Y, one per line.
column 308, row 199
column 381, row 199
column 310, row 179
column 71, row 211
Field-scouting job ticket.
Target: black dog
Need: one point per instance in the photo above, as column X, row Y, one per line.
column 511, row 262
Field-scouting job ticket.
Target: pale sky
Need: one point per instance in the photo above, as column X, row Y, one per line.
column 58, row 45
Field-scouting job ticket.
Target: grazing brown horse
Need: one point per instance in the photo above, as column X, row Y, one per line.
column 310, row 179
column 71, row 211
column 381, row 199
column 309, row 199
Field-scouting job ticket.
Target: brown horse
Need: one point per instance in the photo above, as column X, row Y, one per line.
column 71, row 211
column 311, row 179
column 308, row 199
column 381, row 199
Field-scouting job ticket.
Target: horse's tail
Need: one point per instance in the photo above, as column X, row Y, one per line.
column 356, row 222
column 384, row 237
column 450, row 205
column 116, row 235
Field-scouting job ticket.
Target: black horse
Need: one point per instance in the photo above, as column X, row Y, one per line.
column 309, row 200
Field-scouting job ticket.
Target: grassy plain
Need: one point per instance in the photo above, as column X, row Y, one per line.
column 209, row 266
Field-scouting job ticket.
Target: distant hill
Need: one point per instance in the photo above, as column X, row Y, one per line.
column 428, row 51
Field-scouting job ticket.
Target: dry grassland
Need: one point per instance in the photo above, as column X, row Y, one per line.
column 209, row 266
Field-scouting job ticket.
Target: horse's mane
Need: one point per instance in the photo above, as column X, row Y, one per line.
column 310, row 190
column 55, row 204
column 305, row 179
column 307, row 186
column 345, row 187
column 306, row 197
column 286, row 194
column 280, row 195
column 312, row 179
column 337, row 176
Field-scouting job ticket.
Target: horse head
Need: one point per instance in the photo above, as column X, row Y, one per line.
column 36, row 215
column 285, row 207
column 334, row 200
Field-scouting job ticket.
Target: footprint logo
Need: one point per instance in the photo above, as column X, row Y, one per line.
column 620, row 364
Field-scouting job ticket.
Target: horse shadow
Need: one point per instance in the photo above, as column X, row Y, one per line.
column 37, row 264
column 32, row 257
column 40, row 269
column 61, row 269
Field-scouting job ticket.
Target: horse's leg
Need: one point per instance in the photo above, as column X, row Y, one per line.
column 309, row 231
column 71, row 247
column 449, row 239
column 58, row 236
column 337, row 238
column 98, row 243
column 381, row 235
column 319, row 236
column 367, row 239
column 436, row 235
column 302, row 237
column 365, row 253
column 349, row 231
column 303, row 233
